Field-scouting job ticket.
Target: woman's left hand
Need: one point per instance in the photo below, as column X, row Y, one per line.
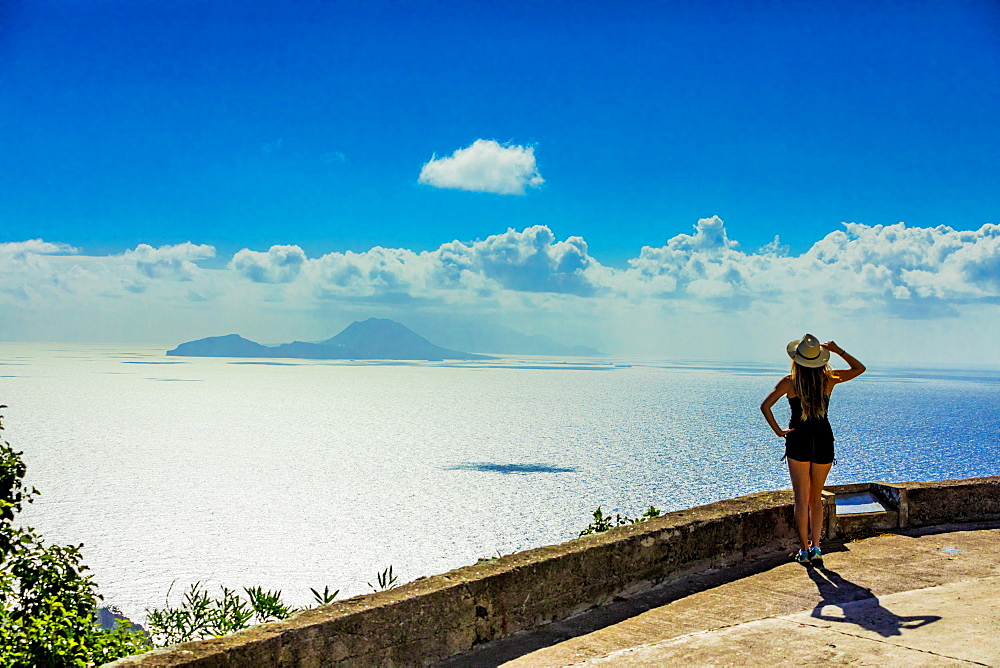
column 832, row 347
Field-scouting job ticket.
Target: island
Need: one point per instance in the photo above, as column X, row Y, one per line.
column 371, row 339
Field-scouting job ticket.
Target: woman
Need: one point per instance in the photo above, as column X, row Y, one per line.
column 809, row 439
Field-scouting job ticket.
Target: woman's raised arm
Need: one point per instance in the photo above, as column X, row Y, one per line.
column 844, row 375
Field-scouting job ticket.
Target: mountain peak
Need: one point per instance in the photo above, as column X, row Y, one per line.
column 387, row 339
column 379, row 324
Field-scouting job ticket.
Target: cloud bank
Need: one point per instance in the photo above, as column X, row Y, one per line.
column 689, row 287
column 485, row 166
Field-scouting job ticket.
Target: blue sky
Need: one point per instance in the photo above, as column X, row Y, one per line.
column 249, row 125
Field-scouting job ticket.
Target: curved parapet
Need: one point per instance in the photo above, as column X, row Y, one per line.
column 436, row 617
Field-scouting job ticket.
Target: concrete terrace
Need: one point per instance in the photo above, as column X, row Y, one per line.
column 913, row 597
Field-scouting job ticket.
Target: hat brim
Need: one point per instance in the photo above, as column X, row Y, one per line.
column 792, row 349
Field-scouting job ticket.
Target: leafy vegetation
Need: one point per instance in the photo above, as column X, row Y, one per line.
column 326, row 597
column 200, row 616
column 47, row 602
column 604, row 522
column 386, row 580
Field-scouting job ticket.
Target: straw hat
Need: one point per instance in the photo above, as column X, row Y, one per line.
column 808, row 352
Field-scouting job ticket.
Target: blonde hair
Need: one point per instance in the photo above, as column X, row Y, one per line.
column 810, row 387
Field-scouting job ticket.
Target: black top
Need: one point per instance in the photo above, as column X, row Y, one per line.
column 796, row 405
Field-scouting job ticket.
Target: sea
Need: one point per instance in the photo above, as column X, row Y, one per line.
column 300, row 474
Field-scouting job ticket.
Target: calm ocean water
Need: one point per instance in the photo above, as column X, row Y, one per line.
column 299, row 474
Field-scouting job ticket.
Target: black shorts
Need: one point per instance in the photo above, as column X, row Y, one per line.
column 805, row 445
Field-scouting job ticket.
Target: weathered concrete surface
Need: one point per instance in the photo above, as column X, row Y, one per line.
column 915, row 597
column 895, row 629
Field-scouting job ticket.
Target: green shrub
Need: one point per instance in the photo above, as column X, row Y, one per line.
column 604, row 522
column 201, row 616
column 386, row 580
column 48, row 604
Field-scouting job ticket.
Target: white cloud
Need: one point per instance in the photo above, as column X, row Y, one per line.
column 939, row 262
column 16, row 250
column 871, row 265
column 280, row 264
column 527, row 261
column 696, row 265
column 876, row 264
column 375, row 272
column 174, row 262
column 485, row 166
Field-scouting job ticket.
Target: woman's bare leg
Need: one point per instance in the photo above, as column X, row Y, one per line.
column 801, row 483
column 817, row 478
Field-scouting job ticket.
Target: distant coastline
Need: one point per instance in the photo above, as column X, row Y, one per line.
column 382, row 339
column 371, row 339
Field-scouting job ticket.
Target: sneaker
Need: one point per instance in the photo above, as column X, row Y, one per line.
column 802, row 556
column 815, row 554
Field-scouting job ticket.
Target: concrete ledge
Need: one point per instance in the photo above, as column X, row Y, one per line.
column 971, row 500
column 436, row 617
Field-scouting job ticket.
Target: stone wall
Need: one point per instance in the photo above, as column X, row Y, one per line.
column 436, row 617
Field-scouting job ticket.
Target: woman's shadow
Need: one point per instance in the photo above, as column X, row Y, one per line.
column 871, row 616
